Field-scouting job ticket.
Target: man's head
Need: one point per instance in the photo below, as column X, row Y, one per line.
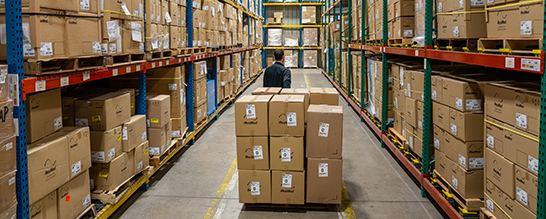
column 279, row 55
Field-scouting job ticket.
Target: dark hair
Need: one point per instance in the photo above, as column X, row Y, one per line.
column 279, row 53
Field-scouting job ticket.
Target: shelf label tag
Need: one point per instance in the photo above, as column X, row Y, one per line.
column 153, row 64
column 167, row 62
column 40, row 86
column 416, row 52
column 115, row 72
column 138, row 68
column 509, row 62
column 86, row 76
column 530, row 64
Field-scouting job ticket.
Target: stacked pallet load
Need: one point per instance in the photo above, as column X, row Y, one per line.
column 356, row 80
column 310, row 39
column 460, row 25
column 122, row 29
column 356, row 20
column 8, row 154
column 291, row 58
column 159, row 125
column 236, row 61
column 227, row 78
column 401, row 22
column 512, row 111
column 199, row 92
column 376, row 87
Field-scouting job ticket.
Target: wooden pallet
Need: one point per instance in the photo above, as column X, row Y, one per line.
column 113, row 196
column 200, row 50
column 155, row 160
column 486, row 214
column 399, row 42
column 123, row 59
column 525, row 46
column 399, row 137
column 471, row 205
column 185, row 51
column 457, row 44
column 62, row 65
column 89, row 212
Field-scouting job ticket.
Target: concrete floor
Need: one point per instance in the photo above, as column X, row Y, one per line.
column 376, row 184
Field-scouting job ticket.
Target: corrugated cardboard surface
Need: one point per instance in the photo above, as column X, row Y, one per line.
column 526, row 188
column 500, row 171
column 73, row 197
column 45, row 208
column 134, row 133
column 254, row 186
column 287, row 153
column 324, row 131
column 287, row 115
column 324, row 180
column 79, row 148
column 251, row 115
column 8, row 155
column 469, row 184
column 106, row 145
column 287, row 187
column 104, row 112
column 7, row 191
column 142, row 156
column 328, row 96
column 159, row 139
column 159, row 113
column 44, row 114
column 253, row 153
column 108, row 176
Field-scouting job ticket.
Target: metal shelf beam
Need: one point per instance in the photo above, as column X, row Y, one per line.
column 292, row 4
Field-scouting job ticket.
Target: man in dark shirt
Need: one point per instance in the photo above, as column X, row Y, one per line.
column 277, row 75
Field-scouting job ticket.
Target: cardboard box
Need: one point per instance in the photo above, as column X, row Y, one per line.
column 291, row 40
column 462, row 95
column 324, row 180
column 44, row 114
column 500, row 171
column 522, row 150
column 527, row 109
column 310, row 36
column 287, row 153
column 251, row 115
column 469, row 155
column 469, row 183
column 278, row 15
column 466, row 126
column 298, row 91
column 324, row 131
column 45, row 208
column 141, row 155
column 68, row 110
column 526, row 188
column 106, row 145
column 160, row 139
column 502, row 22
column 83, row 34
column 79, row 148
column 462, row 25
column 495, row 137
column 436, row 88
column 411, row 111
column 253, row 153
column 200, row 91
column 442, row 164
column 8, row 155
column 267, row 91
column 254, row 186
column 403, row 27
column 108, row 176
column 310, row 58
column 199, row 70
column 133, row 133
column 287, row 115
column 159, row 113
column 328, row 96
column 499, row 102
column 503, row 206
column 104, row 112
column 169, row 81
column 4, row 87
column 48, row 167
column 288, row 187
column 7, row 191
column 74, row 197
column 308, row 14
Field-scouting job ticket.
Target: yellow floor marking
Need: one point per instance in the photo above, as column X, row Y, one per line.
column 216, row 201
column 307, row 79
column 349, row 212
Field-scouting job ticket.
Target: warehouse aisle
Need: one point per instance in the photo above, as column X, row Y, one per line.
column 377, row 186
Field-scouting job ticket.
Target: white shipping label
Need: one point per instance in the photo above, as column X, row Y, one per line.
column 124, row 134
column 136, row 32
column 165, row 41
column 111, row 154
column 533, row 164
column 323, row 169
column 475, row 163
column 258, row 153
column 526, row 27
column 411, row 141
column 396, row 102
column 112, row 27
column 124, row 8
column 58, row 123
column 250, row 111
column 113, row 48
column 287, row 180
column 408, row 33
column 8, row 146
column 3, row 79
column 86, row 201
column 76, row 168
column 141, row 47
column 489, row 203
column 168, row 17
column 462, row 160
column 175, row 134
column 490, row 140
column 456, row 31
column 46, row 49
column 420, row 124
column 522, row 195
column 98, row 156
column 81, row 122
column 521, row 120
column 461, row 3
column 436, row 143
column 139, row 166
column 473, row 104
column 143, row 136
column 173, row 86
column 154, row 150
column 254, row 188
column 323, row 129
column 11, row 181
column 453, row 129
column 96, row 47
column 458, row 103
column 439, row 6
column 454, row 182
column 434, row 95
column 476, row 2
column 28, row 50
column 155, row 41
column 286, row 156
column 291, row 119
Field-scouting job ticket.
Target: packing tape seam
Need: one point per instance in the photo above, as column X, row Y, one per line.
column 381, row 101
column 414, row 135
column 414, row 91
column 492, row 8
column 511, row 130
column 399, row 114
column 117, row 12
column 498, row 206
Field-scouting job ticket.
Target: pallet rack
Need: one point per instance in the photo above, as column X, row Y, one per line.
column 300, row 46
column 501, row 61
column 27, row 85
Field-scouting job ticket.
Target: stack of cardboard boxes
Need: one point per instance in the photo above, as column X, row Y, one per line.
column 356, row 81
column 308, row 14
column 274, row 37
column 463, row 25
column 377, row 88
column 512, row 112
column 236, row 64
column 276, row 19
column 400, row 15
column 159, row 123
column 166, row 25
column 291, row 58
column 505, row 16
column 199, row 91
column 122, row 27
column 458, row 133
column 227, row 77
column 8, row 154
